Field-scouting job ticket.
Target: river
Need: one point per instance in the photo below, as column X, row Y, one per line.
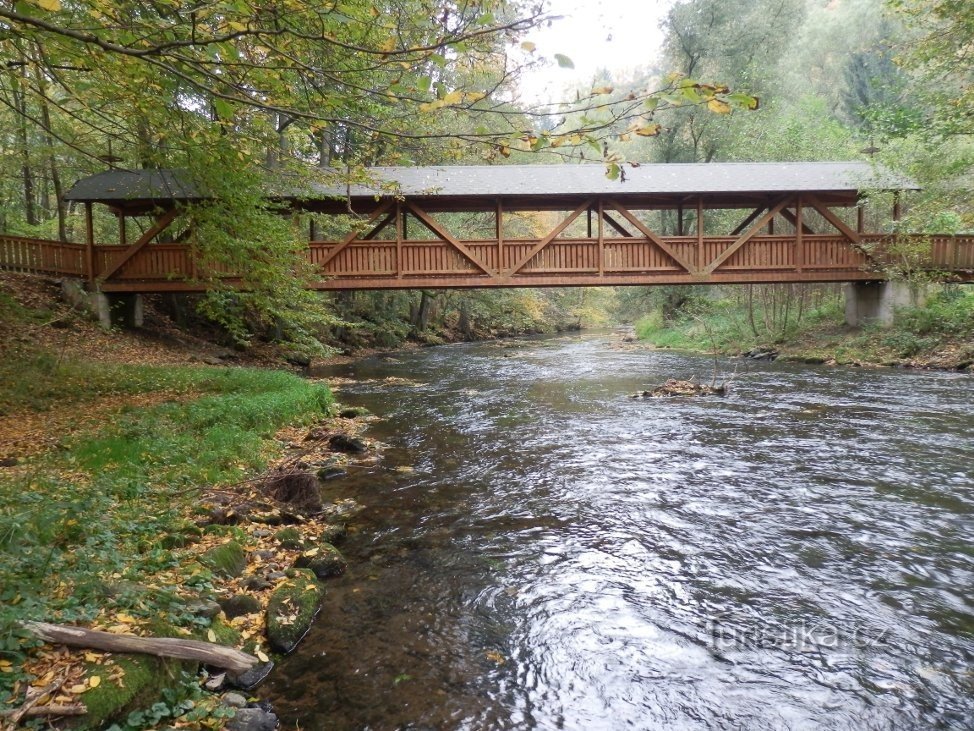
column 539, row 551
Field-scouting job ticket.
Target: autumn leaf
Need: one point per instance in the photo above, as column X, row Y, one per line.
column 78, row 689
column 564, row 62
column 94, row 681
column 52, row 6
column 211, row 635
column 528, row 46
column 648, row 130
column 262, row 656
column 717, row 106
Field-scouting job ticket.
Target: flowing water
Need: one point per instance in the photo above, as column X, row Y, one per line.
column 795, row 555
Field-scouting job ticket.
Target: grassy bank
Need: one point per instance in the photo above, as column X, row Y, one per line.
column 93, row 529
column 940, row 334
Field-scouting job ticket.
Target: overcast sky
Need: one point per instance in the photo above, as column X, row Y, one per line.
column 620, row 35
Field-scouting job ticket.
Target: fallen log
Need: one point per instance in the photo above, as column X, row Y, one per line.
column 209, row 653
column 74, row 709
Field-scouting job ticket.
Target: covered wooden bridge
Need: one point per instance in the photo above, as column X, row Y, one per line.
column 523, row 226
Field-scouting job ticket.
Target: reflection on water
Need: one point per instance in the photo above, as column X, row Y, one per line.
column 795, row 555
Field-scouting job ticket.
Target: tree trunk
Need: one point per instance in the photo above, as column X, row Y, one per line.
column 27, row 174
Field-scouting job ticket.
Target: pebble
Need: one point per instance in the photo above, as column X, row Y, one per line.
column 234, row 700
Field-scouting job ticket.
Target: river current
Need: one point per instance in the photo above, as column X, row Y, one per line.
column 539, row 551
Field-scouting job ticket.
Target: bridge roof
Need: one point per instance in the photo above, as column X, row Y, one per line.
column 461, row 186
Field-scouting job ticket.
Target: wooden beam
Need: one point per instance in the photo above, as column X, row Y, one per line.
column 649, row 234
column 799, row 235
column 499, row 232
column 383, row 208
column 601, row 235
column 744, row 238
column 829, row 216
column 749, row 220
column 400, row 233
column 161, row 224
column 436, row 228
column 699, row 234
column 89, row 244
column 378, row 227
column 793, row 220
column 619, row 228
column 549, row 237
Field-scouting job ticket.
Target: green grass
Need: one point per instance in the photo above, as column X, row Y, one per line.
column 944, row 324
column 78, row 523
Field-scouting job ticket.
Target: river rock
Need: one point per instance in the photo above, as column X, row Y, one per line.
column 332, row 533
column 324, row 559
column 353, row 412
column 239, row 605
column 253, row 719
column 290, row 538
column 233, row 700
column 227, row 560
column 253, row 677
column 331, row 473
column 347, row 444
column 762, row 352
column 292, row 609
column 257, row 583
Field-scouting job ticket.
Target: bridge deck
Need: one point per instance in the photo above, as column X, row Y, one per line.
column 548, row 226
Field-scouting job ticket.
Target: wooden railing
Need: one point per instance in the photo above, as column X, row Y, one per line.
column 562, row 262
column 40, row 256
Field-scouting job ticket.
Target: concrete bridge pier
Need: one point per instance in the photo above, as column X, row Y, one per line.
column 876, row 302
column 116, row 308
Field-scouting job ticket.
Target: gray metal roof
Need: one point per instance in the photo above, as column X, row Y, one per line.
column 657, row 178
column 128, row 185
column 531, row 180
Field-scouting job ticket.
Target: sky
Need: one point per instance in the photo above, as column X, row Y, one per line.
column 620, row 35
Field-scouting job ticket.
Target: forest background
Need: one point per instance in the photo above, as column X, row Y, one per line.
column 235, row 92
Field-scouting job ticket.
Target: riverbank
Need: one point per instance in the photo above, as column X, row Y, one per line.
column 144, row 492
column 939, row 335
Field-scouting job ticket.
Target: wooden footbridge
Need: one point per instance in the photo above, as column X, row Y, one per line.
column 523, row 226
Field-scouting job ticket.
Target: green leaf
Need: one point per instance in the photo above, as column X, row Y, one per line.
column 612, row 171
column 563, row 61
column 224, row 109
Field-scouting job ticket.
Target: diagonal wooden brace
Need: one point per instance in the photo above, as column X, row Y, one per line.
column 436, row 228
column 744, row 238
column 651, row 235
column 161, row 224
column 829, row 216
column 549, row 237
column 385, row 206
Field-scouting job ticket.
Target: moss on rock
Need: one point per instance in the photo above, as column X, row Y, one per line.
column 292, row 609
column 290, row 538
column 324, row 559
column 228, row 559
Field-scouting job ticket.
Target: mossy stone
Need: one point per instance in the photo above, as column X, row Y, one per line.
column 227, row 560
column 332, row 533
column 181, row 536
column 353, row 412
column 290, row 538
column 324, row 559
column 239, row 605
column 144, row 680
column 292, row 609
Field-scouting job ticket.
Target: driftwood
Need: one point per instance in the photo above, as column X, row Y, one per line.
column 206, row 652
column 73, row 709
column 674, row 387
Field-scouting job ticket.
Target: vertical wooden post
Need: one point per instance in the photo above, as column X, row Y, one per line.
column 589, row 215
column 499, row 234
column 799, row 237
column 771, row 226
column 399, row 233
column 122, row 236
column 860, row 218
column 601, row 237
column 312, row 232
column 89, row 245
column 700, row 258
column 896, row 207
column 405, row 225
column 679, row 220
